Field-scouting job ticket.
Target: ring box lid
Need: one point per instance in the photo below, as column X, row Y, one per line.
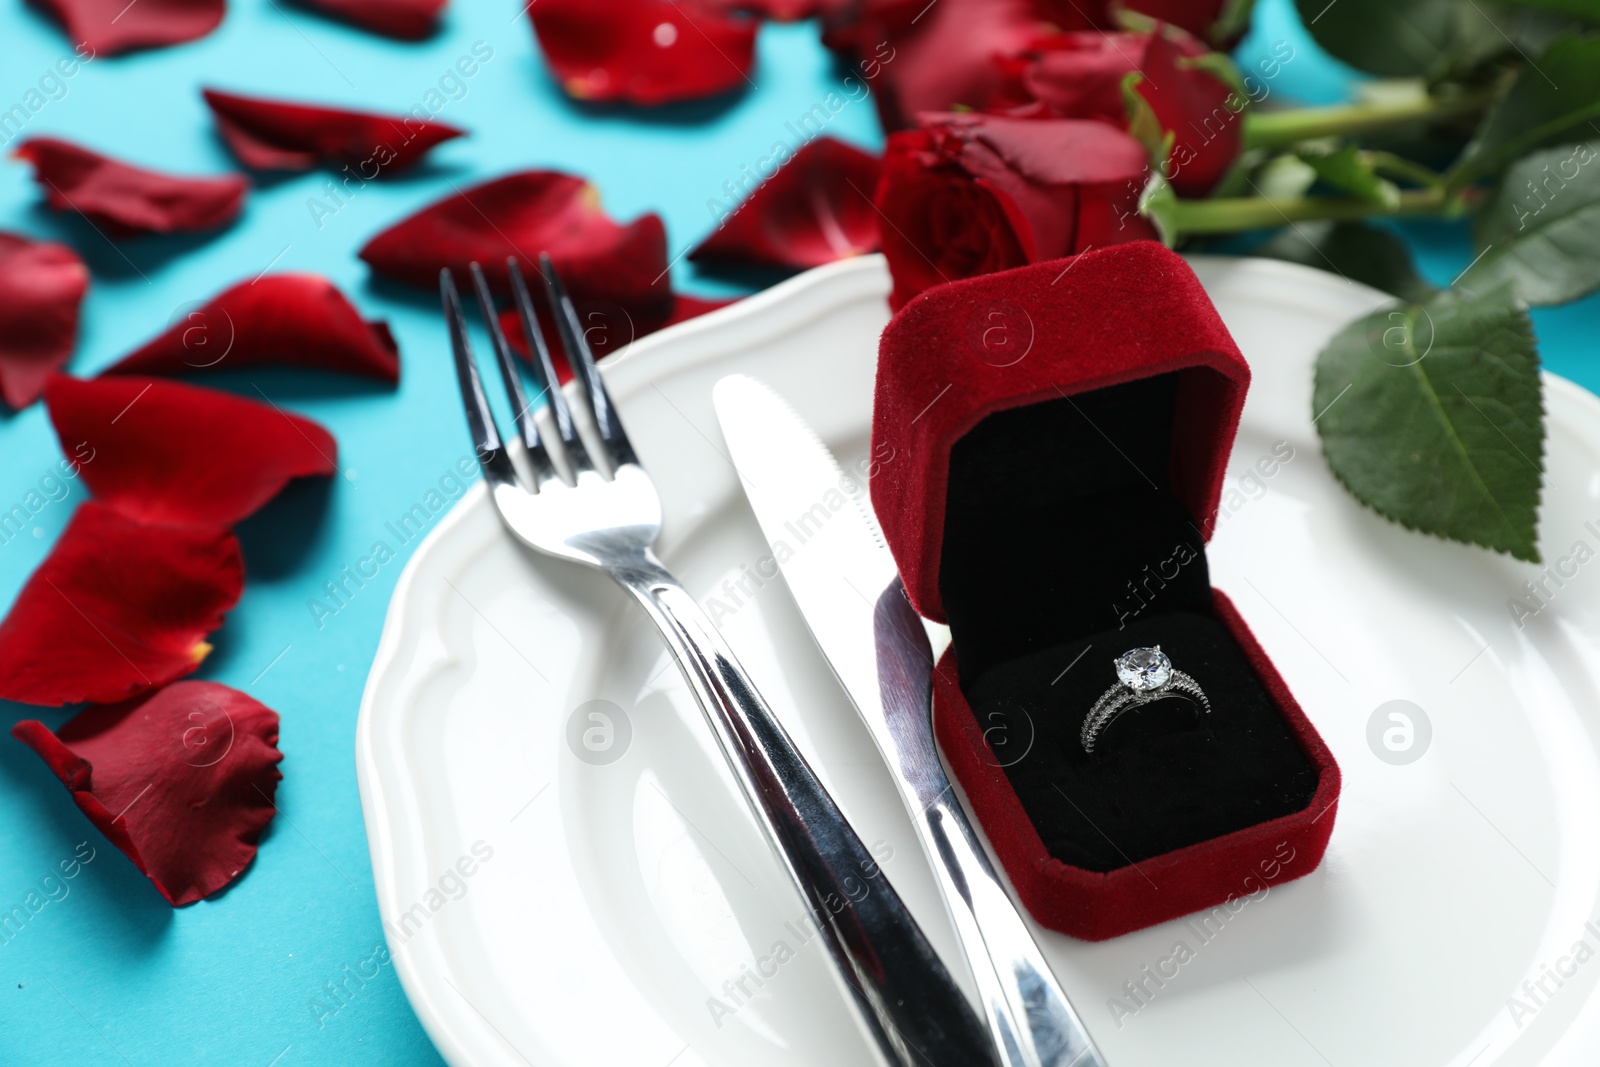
column 959, row 353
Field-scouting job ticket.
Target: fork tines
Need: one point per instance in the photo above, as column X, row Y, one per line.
column 544, row 454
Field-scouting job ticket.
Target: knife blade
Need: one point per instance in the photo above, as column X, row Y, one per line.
column 819, row 524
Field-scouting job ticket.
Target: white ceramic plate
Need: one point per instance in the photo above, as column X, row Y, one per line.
column 625, row 905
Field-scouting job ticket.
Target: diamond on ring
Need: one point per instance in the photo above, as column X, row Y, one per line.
column 1144, row 675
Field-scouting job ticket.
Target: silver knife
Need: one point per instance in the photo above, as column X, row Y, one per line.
column 826, row 541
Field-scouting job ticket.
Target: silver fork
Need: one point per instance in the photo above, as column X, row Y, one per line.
column 904, row 998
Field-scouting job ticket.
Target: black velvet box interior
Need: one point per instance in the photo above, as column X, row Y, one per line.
column 1065, row 545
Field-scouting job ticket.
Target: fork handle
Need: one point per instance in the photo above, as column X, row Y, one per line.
column 908, row 1005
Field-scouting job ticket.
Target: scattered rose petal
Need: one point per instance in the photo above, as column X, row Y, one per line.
column 124, row 199
column 523, row 215
column 181, row 782
column 111, row 27
column 817, row 208
column 967, row 194
column 118, row 607
column 41, row 286
column 277, row 135
column 165, row 452
column 644, row 51
column 606, row 327
column 689, row 307
column 408, row 20
column 292, row 320
column 1079, row 76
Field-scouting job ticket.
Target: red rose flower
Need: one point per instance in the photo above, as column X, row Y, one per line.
column 1080, row 76
column 968, row 194
column 1199, row 17
column 947, row 57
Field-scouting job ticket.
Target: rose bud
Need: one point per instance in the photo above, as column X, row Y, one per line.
column 966, row 194
column 1081, row 75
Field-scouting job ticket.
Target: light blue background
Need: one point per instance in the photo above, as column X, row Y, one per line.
column 111, row 974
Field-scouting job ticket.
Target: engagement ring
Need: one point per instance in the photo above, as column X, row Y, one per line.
column 1146, row 675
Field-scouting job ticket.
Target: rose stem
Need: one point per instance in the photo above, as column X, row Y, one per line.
column 1280, row 129
column 1232, row 214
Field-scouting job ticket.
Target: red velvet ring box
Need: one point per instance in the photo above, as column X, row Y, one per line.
column 1053, row 442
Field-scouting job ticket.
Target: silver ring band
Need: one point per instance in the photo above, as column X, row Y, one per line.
column 1146, row 675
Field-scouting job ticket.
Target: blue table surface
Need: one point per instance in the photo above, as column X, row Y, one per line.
column 109, row 973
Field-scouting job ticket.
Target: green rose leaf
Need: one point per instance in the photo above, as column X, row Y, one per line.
column 1159, row 204
column 1143, row 126
column 1432, row 415
column 1348, row 168
column 1588, row 10
column 1352, row 250
column 1403, row 38
column 1234, row 19
column 1552, row 100
column 1541, row 229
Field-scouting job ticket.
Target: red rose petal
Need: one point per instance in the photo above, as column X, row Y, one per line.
column 110, row 27
column 182, row 781
column 292, row 320
column 126, row 199
column 1079, row 75
column 165, row 452
column 408, row 20
column 118, row 607
column 817, row 208
column 276, row 135
column 644, row 51
column 522, row 215
column 1060, row 151
column 692, row 307
column 41, row 286
column 949, row 57
column 968, row 194
column 606, row 327
column 1198, row 17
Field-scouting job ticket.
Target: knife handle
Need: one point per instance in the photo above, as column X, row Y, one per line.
column 1030, row 1021
column 906, row 1001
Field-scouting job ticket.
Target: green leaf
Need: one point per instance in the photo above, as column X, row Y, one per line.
column 1143, row 126
column 1159, row 204
column 1234, row 19
column 1552, row 99
column 1588, row 10
column 1541, row 228
column 1349, row 169
column 1432, row 415
column 1403, row 38
column 1219, row 67
column 1352, row 250
column 1284, row 178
